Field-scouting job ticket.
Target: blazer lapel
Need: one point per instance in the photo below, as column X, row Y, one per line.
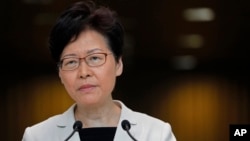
column 135, row 130
column 65, row 123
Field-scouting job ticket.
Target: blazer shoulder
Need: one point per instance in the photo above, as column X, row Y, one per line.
column 50, row 127
column 154, row 128
column 46, row 125
column 41, row 131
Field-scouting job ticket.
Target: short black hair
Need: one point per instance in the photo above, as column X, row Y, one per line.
column 81, row 16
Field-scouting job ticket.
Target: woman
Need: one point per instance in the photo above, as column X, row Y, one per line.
column 87, row 43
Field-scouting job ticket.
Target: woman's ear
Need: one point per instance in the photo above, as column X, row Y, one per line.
column 119, row 67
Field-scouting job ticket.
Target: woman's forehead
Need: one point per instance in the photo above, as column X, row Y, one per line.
column 87, row 42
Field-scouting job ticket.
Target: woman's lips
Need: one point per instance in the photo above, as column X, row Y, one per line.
column 87, row 88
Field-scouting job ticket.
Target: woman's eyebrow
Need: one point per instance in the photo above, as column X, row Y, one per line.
column 69, row 55
column 88, row 52
column 94, row 50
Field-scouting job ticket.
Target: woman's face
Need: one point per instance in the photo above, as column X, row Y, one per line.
column 90, row 85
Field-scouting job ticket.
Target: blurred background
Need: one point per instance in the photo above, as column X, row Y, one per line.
column 186, row 62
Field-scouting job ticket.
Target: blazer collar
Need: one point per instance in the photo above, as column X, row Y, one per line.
column 127, row 114
column 67, row 120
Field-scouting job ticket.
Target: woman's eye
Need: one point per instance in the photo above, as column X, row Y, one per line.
column 70, row 62
column 95, row 58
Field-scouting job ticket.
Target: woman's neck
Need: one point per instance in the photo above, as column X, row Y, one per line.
column 105, row 115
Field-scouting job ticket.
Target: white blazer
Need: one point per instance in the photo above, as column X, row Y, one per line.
column 143, row 127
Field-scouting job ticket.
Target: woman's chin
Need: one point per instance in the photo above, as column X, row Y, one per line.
column 89, row 101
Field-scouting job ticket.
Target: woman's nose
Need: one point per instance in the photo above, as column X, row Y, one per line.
column 84, row 70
